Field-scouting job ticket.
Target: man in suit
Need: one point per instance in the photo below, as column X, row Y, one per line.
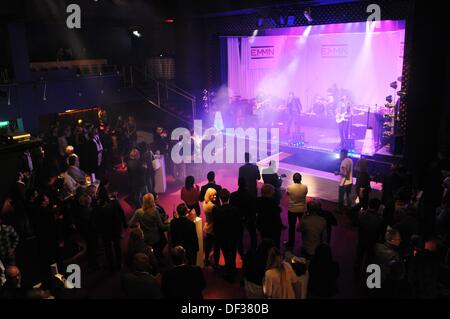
column 227, row 228
column 140, row 284
column 246, row 205
column 211, row 184
column 182, row 281
column 183, row 233
column 136, row 175
column 271, row 177
column 250, row 173
column 294, row 108
column 74, row 170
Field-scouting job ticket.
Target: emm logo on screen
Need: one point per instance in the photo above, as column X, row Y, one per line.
column 262, row 52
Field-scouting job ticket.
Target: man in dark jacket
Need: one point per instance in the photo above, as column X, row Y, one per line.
column 183, row 233
column 271, row 177
column 227, row 228
column 268, row 220
column 211, row 184
column 140, row 284
column 246, row 205
column 250, row 173
column 370, row 227
column 136, row 175
column 182, row 281
column 388, row 253
column 110, row 220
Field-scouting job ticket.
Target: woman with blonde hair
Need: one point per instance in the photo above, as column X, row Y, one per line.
column 150, row 222
column 210, row 239
column 280, row 278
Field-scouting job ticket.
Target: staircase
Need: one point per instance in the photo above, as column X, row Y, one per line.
column 162, row 95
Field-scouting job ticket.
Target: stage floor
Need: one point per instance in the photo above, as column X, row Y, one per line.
column 320, row 184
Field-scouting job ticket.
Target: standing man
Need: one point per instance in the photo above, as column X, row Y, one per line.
column 346, row 179
column 297, row 206
column 211, row 176
column 183, row 233
column 227, row 229
column 343, row 118
column 270, row 176
column 246, row 205
column 250, row 173
column 294, row 108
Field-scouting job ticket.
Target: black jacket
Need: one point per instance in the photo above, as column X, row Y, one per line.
column 250, row 173
column 183, row 233
column 110, row 219
column 246, row 205
column 204, row 188
column 183, row 282
column 227, row 224
column 268, row 218
column 140, row 286
column 136, row 174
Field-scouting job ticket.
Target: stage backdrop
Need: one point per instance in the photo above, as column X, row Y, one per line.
column 357, row 59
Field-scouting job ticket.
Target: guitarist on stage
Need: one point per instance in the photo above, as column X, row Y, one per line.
column 343, row 118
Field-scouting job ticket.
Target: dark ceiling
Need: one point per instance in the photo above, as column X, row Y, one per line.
column 54, row 11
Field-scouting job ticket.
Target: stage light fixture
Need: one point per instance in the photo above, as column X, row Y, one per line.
column 394, row 85
column 389, row 99
column 137, row 34
column 401, row 94
column 400, row 79
column 307, row 14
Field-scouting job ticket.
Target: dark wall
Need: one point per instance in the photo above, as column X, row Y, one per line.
column 100, row 41
column 103, row 40
column 429, row 83
column 27, row 100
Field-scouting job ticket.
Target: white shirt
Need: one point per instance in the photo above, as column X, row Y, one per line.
column 297, row 198
column 275, row 289
column 70, row 184
column 346, row 172
column 2, row 274
column 99, row 145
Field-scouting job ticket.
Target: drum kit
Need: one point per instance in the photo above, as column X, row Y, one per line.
column 324, row 106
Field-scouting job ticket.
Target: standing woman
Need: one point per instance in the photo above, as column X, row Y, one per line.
column 362, row 183
column 190, row 194
column 210, row 238
column 280, row 278
column 150, row 222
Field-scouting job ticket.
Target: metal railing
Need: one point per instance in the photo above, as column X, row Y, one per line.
column 161, row 90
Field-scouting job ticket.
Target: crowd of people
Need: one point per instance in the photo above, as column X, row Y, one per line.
column 62, row 207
